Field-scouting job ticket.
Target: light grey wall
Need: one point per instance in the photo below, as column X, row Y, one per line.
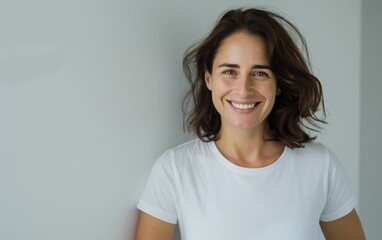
column 90, row 96
column 371, row 118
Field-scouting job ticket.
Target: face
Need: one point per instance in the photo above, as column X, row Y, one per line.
column 242, row 84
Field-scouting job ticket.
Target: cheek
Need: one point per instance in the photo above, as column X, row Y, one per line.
column 219, row 89
column 270, row 89
column 218, row 94
column 216, row 97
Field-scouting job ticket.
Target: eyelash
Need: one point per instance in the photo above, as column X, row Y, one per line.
column 263, row 74
column 231, row 72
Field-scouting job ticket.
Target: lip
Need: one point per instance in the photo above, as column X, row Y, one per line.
column 249, row 110
column 243, row 102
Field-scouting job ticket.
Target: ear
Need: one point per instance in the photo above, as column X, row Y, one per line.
column 208, row 80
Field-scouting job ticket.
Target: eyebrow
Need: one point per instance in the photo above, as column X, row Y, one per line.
column 237, row 66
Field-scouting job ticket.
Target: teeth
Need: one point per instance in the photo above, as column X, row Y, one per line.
column 243, row 106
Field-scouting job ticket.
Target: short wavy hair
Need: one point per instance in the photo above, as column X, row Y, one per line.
column 294, row 111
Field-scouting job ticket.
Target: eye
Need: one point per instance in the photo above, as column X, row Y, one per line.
column 260, row 75
column 230, row 72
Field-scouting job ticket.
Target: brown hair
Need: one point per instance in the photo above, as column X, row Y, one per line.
column 301, row 92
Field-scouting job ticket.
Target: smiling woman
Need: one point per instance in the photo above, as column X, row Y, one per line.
column 254, row 172
column 300, row 91
column 242, row 85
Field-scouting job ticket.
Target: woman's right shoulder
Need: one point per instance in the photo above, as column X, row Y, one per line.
column 185, row 153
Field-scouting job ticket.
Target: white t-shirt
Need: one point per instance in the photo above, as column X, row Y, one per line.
column 211, row 198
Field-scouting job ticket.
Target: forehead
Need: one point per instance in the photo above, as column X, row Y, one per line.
column 242, row 48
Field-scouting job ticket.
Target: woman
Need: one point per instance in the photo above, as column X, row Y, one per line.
column 253, row 172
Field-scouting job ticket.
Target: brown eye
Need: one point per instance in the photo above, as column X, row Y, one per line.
column 260, row 75
column 229, row 72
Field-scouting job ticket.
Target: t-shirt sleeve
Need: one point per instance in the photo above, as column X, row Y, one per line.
column 340, row 197
column 158, row 197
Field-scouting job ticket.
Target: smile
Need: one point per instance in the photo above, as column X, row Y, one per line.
column 243, row 106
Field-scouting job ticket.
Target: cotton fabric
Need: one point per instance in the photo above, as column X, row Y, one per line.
column 211, row 198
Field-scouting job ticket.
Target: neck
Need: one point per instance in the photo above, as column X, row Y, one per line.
column 249, row 149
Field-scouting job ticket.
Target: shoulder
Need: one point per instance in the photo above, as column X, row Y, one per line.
column 312, row 149
column 189, row 147
column 184, row 154
column 192, row 147
column 314, row 157
column 313, row 152
column 317, row 159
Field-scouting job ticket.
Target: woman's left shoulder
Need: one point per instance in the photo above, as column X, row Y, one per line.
column 314, row 153
column 312, row 148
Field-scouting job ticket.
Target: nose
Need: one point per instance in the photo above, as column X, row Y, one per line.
column 244, row 87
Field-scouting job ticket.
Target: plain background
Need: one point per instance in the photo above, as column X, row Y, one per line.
column 90, row 96
column 370, row 188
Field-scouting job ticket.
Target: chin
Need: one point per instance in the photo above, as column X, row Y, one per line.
column 247, row 125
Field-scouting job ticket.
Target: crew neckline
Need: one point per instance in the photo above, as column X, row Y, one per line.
column 245, row 170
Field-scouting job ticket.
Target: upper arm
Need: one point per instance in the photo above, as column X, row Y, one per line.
column 348, row 227
column 150, row 228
